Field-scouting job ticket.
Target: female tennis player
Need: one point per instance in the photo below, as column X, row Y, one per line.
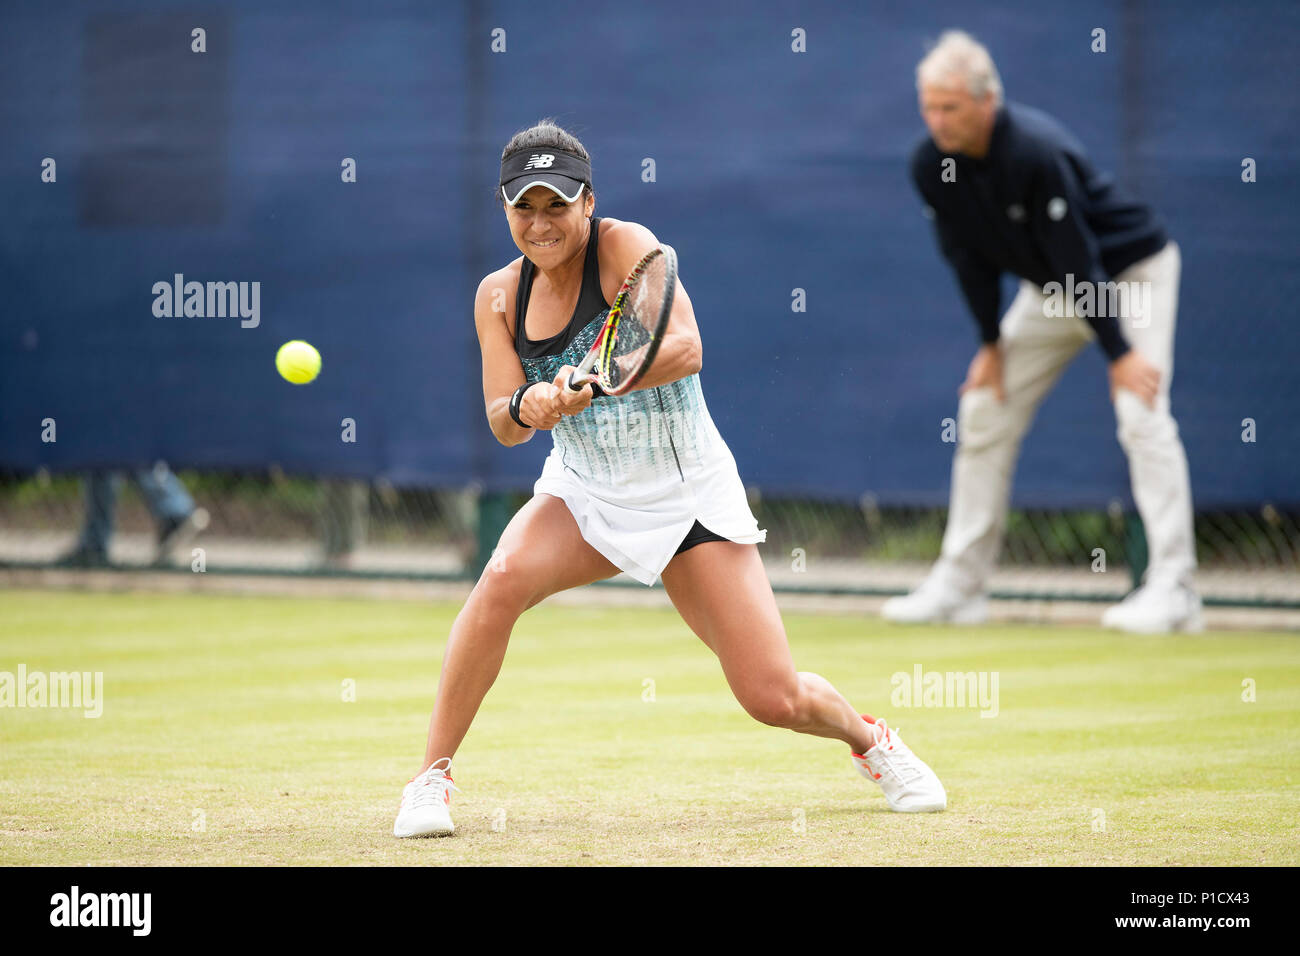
column 641, row 483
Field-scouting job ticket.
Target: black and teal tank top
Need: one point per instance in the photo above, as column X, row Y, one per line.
column 640, row 439
column 543, row 358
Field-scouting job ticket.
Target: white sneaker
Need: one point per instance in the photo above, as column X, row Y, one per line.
column 1157, row 608
column 936, row 602
column 423, row 811
column 910, row 785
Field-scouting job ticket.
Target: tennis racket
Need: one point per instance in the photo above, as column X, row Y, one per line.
column 630, row 338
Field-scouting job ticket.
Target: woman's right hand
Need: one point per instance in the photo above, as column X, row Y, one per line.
column 539, row 407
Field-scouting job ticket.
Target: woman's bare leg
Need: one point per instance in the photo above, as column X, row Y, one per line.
column 722, row 592
column 540, row 553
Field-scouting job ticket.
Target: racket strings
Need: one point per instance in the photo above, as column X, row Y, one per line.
column 636, row 324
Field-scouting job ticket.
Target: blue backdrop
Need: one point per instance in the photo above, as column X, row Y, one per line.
column 775, row 170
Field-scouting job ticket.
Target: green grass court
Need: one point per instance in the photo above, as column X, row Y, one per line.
column 225, row 740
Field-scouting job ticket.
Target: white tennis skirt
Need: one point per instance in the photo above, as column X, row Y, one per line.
column 640, row 528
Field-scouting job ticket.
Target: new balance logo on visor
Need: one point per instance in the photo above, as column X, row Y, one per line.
column 539, row 161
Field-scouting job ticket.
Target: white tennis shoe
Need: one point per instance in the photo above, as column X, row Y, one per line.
column 1157, row 608
column 935, row 601
column 423, row 811
column 910, row 785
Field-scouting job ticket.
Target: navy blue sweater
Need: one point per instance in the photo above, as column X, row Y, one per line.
column 1035, row 207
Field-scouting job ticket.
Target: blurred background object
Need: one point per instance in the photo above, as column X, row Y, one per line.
column 834, row 336
column 176, row 520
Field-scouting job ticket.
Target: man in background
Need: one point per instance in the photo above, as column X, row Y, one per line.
column 1010, row 190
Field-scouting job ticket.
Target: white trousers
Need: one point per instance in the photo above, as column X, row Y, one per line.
column 1035, row 351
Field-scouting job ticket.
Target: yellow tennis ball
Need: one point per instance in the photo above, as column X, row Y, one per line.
column 298, row 362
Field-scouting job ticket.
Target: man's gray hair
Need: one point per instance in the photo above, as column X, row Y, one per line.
column 957, row 57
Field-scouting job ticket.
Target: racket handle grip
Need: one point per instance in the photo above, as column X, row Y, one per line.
column 583, row 370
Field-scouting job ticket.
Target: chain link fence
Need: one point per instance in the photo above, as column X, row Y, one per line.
column 269, row 522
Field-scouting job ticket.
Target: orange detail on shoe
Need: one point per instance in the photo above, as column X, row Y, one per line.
column 871, row 720
column 877, row 776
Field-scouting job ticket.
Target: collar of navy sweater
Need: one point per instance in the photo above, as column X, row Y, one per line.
column 997, row 140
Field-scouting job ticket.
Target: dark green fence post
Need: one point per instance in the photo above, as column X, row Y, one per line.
column 1135, row 546
column 493, row 516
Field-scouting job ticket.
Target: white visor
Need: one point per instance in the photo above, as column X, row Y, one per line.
column 556, row 184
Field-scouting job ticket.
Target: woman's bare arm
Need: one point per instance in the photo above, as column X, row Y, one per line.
column 680, row 352
column 502, row 372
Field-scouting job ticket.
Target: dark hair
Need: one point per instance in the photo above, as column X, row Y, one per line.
column 547, row 135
